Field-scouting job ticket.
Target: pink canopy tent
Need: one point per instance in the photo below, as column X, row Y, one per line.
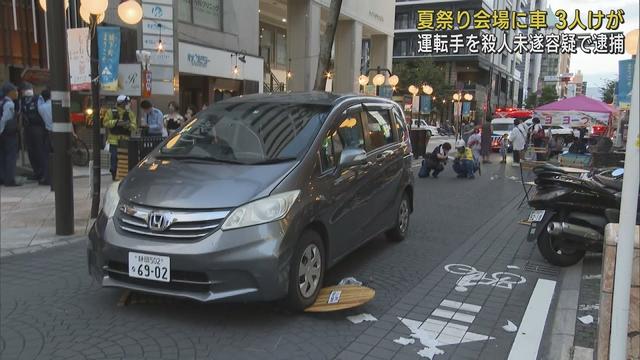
column 577, row 111
column 578, row 103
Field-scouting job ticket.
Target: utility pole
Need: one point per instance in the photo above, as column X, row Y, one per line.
column 95, row 103
column 62, row 127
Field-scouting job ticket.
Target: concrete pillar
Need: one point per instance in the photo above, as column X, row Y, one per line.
column 348, row 51
column 303, row 42
column 381, row 51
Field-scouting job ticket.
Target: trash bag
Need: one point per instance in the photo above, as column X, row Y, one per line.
column 350, row 281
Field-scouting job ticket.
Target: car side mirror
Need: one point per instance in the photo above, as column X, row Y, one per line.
column 351, row 157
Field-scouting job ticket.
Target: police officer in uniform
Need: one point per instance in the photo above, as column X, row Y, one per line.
column 120, row 122
column 8, row 135
column 35, row 133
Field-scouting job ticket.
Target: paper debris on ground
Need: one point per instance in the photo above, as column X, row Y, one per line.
column 513, row 267
column 588, row 319
column 513, row 178
column 357, row 319
column 404, row 341
column 510, row 327
column 589, row 307
column 350, row 281
column 430, row 352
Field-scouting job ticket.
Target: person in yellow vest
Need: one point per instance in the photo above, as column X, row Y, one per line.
column 464, row 164
column 120, row 122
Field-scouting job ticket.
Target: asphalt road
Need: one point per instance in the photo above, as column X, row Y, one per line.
column 51, row 309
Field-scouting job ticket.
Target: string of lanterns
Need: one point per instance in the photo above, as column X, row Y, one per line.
column 129, row 11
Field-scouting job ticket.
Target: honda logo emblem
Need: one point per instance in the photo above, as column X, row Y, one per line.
column 160, row 220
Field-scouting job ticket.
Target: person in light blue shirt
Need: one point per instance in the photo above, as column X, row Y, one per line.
column 44, row 109
column 8, row 135
column 153, row 117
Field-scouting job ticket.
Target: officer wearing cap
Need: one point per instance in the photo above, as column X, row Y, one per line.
column 35, row 134
column 120, row 122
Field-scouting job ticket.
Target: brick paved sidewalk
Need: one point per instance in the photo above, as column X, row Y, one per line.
column 27, row 215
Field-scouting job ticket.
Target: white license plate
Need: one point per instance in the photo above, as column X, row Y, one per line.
column 536, row 215
column 150, row 267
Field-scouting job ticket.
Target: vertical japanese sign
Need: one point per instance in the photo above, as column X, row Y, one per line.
column 625, row 79
column 466, row 108
column 146, row 83
column 425, row 104
column 79, row 43
column 109, row 56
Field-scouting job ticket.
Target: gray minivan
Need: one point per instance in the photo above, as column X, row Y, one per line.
column 256, row 197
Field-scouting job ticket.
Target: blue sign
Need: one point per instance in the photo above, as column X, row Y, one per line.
column 385, row 91
column 109, row 56
column 425, row 104
column 625, row 82
column 466, row 108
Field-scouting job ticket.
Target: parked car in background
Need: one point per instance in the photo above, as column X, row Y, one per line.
column 257, row 198
column 419, row 124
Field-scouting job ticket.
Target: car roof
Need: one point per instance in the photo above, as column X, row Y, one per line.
column 503, row 120
column 308, row 97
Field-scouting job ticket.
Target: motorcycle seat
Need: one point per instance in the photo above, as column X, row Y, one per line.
column 548, row 168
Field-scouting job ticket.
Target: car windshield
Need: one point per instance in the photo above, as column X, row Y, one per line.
column 502, row 127
column 248, row 133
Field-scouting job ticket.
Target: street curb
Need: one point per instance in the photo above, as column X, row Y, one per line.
column 35, row 248
column 563, row 329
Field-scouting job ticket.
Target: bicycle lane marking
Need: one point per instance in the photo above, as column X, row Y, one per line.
column 472, row 277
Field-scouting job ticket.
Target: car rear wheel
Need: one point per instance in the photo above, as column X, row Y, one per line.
column 306, row 271
column 399, row 231
column 429, row 134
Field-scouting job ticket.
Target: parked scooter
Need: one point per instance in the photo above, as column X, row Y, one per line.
column 571, row 212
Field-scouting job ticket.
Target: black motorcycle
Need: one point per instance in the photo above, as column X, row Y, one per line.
column 571, row 212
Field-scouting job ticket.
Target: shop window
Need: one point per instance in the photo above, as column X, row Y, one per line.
column 205, row 13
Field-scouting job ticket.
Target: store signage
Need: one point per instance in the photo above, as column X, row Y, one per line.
column 79, row 62
column 551, row 78
column 151, row 27
column 146, row 83
column 198, row 60
column 155, row 11
column 109, row 56
column 625, row 79
column 157, row 24
column 129, row 80
column 162, row 58
column 150, row 42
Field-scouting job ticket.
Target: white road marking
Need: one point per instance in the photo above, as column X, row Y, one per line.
column 527, row 342
column 433, row 332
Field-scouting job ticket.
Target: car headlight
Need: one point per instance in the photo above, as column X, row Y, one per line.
column 111, row 200
column 269, row 209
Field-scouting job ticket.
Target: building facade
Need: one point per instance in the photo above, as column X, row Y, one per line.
column 290, row 42
column 493, row 79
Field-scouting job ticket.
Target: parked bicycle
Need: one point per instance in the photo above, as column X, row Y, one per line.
column 79, row 152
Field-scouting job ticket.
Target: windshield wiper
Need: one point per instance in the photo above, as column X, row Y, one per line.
column 276, row 160
column 200, row 158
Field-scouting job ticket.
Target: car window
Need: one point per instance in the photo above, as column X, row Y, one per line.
column 331, row 146
column 350, row 131
column 249, row 133
column 502, row 127
column 379, row 129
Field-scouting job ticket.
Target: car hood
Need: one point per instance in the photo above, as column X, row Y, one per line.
column 185, row 184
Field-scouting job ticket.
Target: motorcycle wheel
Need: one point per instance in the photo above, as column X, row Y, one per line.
column 556, row 255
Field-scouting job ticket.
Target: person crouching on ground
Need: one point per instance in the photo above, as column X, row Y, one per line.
column 464, row 164
column 436, row 160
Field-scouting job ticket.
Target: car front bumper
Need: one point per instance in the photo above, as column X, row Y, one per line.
column 247, row 264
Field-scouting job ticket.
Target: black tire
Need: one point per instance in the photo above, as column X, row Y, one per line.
column 296, row 299
column 553, row 254
column 429, row 134
column 400, row 229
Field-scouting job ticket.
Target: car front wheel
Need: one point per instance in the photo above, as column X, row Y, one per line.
column 399, row 231
column 306, row 271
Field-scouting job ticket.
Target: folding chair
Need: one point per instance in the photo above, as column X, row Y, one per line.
column 527, row 186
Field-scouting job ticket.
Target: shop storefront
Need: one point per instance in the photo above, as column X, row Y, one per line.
column 209, row 75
